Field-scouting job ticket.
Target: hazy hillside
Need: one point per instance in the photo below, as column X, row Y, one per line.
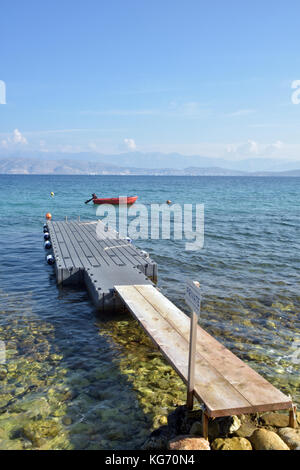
column 35, row 166
column 90, row 162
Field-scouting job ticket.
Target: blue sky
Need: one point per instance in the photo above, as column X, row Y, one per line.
column 209, row 78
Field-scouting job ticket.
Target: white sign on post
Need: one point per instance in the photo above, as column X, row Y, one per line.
column 193, row 296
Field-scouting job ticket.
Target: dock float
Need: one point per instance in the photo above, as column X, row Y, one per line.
column 117, row 274
column 87, row 254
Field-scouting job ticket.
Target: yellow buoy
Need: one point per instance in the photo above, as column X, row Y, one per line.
column 52, row 193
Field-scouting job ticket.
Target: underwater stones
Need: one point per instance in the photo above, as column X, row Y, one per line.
column 96, row 393
column 79, row 441
column 106, row 415
column 60, row 394
column 116, row 434
column 11, row 367
column 246, row 430
column 55, row 358
column 291, row 437
column 262, row 439
column 271, row 324
column 277, row 420
column 160, row 420
column 196, row 428
column 32, row 407
column 78, row 380
column 38, row 431
column 5, row 399
column 188, row 443
column 175, row 419
column 222, row 427
column 232, row 443
column 82, row 428
column 231, row 424
column 58, row 412
column 67, row 420
column 7, row 444
column 3, row 372
column 158, row 439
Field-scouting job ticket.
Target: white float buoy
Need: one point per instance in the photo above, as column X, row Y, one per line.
column 50, row 259
column 46, row 236
column 47, row 245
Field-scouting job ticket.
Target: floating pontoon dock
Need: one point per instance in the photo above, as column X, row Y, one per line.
column 116, row 271
column 85, row 253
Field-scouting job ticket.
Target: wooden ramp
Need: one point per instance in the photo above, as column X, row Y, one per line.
column 224, row 383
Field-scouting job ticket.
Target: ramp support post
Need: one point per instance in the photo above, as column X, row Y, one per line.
column 293, row 417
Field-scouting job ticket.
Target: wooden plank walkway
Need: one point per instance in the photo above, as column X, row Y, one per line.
column 224, row 383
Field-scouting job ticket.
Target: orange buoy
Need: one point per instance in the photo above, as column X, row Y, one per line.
column 48, row 216
column 168, row 201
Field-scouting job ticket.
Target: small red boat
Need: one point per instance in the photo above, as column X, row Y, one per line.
column 115, row 200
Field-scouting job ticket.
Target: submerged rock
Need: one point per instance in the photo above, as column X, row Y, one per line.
column 188, row 443
column 38, row 431
column 196, row 428
column 291, row 437
column 11, row 444
column 277, row 420
column 32, row 407
column 246, row 430
column 223, row 427
column 262, row 439
column 231, row 443
column 158, row 439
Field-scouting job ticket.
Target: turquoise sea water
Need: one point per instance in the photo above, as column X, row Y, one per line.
column 75, row 379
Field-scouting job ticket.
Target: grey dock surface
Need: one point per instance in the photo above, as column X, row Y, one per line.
column 85, row 253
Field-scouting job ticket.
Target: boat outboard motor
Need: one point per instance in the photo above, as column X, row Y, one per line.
column 48, row 245
column 50, row 259
column 46, row 236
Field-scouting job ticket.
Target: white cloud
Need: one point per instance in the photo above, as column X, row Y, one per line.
column 18, row 138
column 255, row 149
column 122, row 112
column 14, row 140
column 241, row 112
column 188, row 109
column 130, row 144
column 245, row 149
column 274, row 148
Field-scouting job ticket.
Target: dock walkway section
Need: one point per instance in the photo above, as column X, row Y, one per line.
column 224, row 383
column 86, row 253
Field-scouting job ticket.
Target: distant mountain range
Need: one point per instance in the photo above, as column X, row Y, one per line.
column 137, row 163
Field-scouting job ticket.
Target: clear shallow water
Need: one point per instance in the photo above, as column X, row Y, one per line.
column 74, row 379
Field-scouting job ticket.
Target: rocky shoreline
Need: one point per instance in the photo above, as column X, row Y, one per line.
column 265, row 431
